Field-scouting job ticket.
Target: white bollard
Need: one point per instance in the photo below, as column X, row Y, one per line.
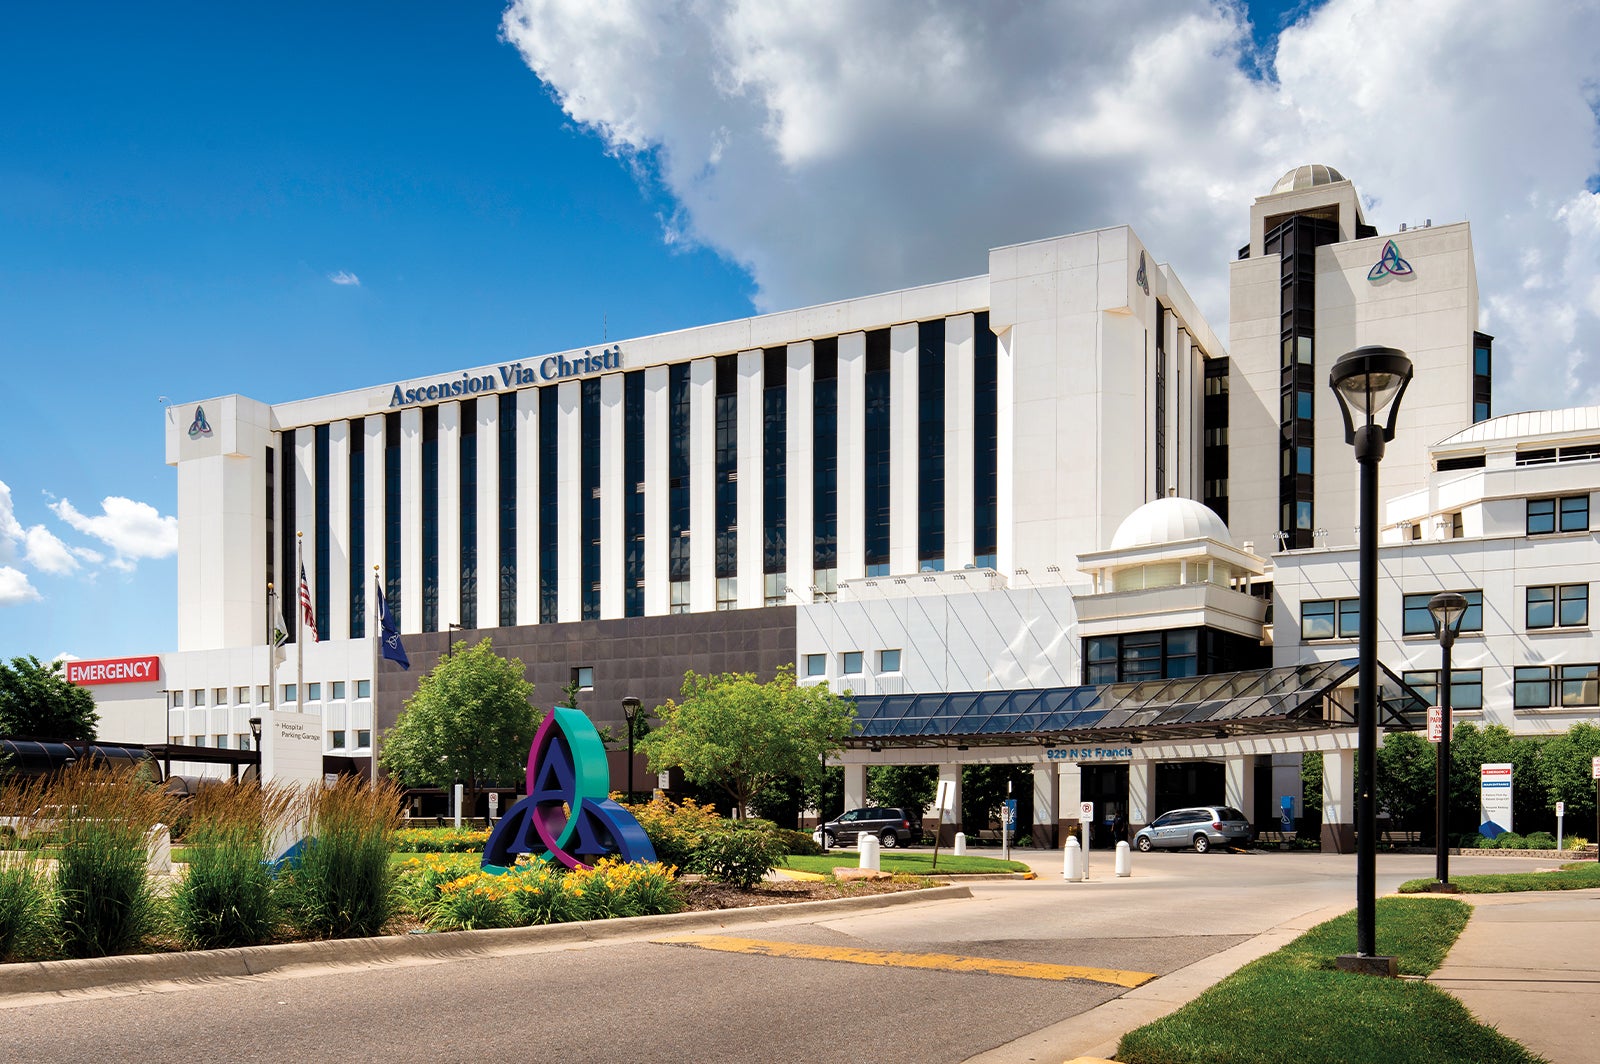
column 868, row 845
column 1124, row 859
column 961, row 844
column 158, row 850
column 1072, row 863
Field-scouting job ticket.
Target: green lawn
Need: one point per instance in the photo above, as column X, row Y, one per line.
column 1295, row 1005
column 1576, row 876
column 917, row 864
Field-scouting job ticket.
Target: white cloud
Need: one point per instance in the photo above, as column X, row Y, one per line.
column 836, row 149
column 345, row 277
column 10, row 528
column 48, row 554
column 14, row 587
column 133, row 530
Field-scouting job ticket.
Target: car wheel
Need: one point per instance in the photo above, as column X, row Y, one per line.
column 890, row 839
column 1144, row 844
column 1201, row 843
column 829, row 842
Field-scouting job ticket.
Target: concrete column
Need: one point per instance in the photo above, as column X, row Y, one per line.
column 852, row 474
column 488, row 442
column 657, row 418
column 1071, row 793
column 749, row 546
column 448, row 519
column 372, row 483
column 959, row 431
column 952, row 815
column 569, row 500
column 904, row 502
column 613, row 494
column 1006, row 455
column 703, row 485
column 1141, row 794
column 338, row 574
column 1338, row 801
column 1239, row 786
column 528, row 506
column 1046, row 806
column 800, row 539
column 855, row 786
column 410, row 613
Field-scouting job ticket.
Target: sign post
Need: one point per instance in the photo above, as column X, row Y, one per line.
column 1561, row 811
column 1086, row 818
column 1594, row 769
column 1494, row 799
column 941, row 801
column 1008, row 823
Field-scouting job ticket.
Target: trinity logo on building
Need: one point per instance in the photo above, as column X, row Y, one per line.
column 1389, row 264
column 512, row 375
column 199, row 428
column 1142, row 278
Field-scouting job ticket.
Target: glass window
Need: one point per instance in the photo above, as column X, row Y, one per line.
column 1419, row 621
column 1302, row 514
column 1466, row 688
column 177, row 700
column 199, row 740
column 1425, row 682
column 1349, row 618
column 583, row 676
column 680, row 596
column 1316, row 619
column 363, row 738
column 338, row 689
column 261, row 693
column 199, row 696
column 221, row 696
column 244, row 741
column 1302, row 462
column 1541, row 607
column 727, row 592
column 1531, row 687
column 1572, row 602
column 1541, row 516
column 888, row 661
column 1580, row 685
column 241, row 695
column 288, row 692
column 816, row 664
column 337, row 740
column 1575, row 514
column 222, row 742
column 851, row 662
column 363, row 688
column 313, row 692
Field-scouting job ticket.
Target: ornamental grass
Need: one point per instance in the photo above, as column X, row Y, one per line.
column 226, row 898
column 342, row 886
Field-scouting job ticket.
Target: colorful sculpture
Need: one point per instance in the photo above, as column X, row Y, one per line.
column 568, row 814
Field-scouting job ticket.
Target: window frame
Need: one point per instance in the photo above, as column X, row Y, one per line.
column 845, row 663
column 1526, row 683
column 1471, row 622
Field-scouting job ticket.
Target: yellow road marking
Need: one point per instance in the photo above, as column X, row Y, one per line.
column 946, row 962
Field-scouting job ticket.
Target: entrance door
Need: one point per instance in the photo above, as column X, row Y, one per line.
column 1107, row 787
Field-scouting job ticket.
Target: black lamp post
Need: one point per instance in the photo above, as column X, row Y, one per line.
column 630, row 710
column 1448, row 609
column 1368, row 382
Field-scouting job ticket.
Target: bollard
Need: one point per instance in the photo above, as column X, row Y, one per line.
column 868, row 845
column 1124, row 859
column 960, row 849
column 158, row 850
column 1072, row 864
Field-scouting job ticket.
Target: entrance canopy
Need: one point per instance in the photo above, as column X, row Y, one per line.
column 1294, row 698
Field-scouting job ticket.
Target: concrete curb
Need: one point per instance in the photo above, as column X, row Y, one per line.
column 46, row 979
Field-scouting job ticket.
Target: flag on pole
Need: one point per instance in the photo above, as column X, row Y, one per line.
column 307, row 617
column 280, row 630
column 389, row 632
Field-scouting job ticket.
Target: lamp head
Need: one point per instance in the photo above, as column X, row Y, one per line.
column 1367, row 382
column 630, row 707
column 1448, row 609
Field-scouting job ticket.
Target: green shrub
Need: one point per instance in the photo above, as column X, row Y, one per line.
column 1540, row 840
column 226, row 898
column 740, row 853
column 343, row 885
column 104, row 902
column 1487, row 843
column 1510, row 840
column 539, row 895
column 440, row 840
column 24, row 903
column 1472, row 841
column 798, row 843
column 676, row 830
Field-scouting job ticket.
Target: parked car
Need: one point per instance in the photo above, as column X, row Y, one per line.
column 1201, row 826
column 894, row 827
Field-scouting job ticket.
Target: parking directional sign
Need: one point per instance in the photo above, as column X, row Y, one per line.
column 1435, row 724
column 1595, row 767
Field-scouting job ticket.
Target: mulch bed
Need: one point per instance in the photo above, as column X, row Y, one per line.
column 709, row 897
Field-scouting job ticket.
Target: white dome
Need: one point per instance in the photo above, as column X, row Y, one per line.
column 1306, row 177
column 1169, row 520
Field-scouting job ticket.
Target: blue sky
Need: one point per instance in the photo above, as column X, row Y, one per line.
column 183, row 187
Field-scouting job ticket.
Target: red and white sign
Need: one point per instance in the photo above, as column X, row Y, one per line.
column 114, row 670
column 1435, row 724
column 1086, row 811
column 1594, row 766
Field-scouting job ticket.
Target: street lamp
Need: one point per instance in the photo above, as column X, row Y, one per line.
column 1448, row 609
column 630, row 711
column 1367, row 382
column 449, row 634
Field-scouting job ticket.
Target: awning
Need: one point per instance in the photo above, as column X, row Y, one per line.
column 1293, row 698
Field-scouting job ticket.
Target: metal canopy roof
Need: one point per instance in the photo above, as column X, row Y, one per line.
column 1294, row 698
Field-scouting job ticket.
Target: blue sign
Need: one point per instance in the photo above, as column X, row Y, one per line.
column 1010, row 813
column 1286, row 818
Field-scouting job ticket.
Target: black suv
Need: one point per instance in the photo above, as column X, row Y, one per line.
column 894, row 827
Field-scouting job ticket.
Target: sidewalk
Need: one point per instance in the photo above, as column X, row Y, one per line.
column 1529, row 964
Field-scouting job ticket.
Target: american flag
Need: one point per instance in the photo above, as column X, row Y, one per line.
column 307, row 616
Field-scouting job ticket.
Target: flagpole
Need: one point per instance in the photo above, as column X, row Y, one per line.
column 272, row 656
column 377, row 643
column 299, row 634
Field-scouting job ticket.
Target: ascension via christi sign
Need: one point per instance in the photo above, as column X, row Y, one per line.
column 1494, row 799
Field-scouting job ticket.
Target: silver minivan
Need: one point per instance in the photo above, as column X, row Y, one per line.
column 1200, row 826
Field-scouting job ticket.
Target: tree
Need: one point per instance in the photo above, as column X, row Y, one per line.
column 902, row 786
column 36, row 700
column 1565, row 771
column 1406, row 780
column 736, row 734
column 470, row 721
